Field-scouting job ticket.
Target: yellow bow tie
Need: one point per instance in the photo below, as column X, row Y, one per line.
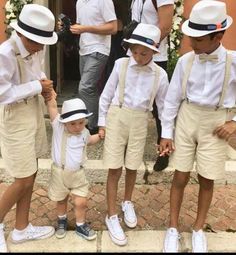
column 204, row 57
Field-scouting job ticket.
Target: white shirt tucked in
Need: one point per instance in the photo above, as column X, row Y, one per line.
column 204, row 86
column 94, row 13
column 138, row 88
column 74, row 146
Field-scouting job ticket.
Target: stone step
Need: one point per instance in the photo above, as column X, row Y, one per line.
column 145, row 174
column 138, row 241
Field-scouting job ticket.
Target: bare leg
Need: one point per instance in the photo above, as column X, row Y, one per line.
column 204, row 201
column 112, row 187
column 80, row 208
column 130, row 179
column 62, row 207
column 19, row 192
column 179, row 182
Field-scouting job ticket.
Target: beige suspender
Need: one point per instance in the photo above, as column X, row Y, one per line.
column 20, row 62
column 122, row 76
column 228, row 63
column 63, row 148
column 226, row 77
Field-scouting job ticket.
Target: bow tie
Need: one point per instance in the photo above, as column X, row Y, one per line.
column 204, row 57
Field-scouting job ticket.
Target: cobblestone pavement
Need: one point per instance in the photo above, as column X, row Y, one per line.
column 151, row 205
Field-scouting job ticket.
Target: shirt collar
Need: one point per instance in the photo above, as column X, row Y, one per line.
column 23, row 52
column 220, row 52
column 151, row 65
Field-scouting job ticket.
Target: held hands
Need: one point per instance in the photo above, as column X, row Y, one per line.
column 101, row 132
column 47, row 90
column 226, row 130
column 166, row 147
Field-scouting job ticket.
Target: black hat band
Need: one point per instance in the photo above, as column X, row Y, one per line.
column 209, row 27
column 68, row 114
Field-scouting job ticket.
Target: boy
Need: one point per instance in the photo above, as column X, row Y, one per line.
column 22, row 126
column 69, row 141
column 127, row 98
column 201, row 92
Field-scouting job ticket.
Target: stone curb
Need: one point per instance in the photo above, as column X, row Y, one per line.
column 138, row 241
column 93, row 171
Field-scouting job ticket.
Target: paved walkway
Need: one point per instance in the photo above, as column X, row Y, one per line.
column 152, row 207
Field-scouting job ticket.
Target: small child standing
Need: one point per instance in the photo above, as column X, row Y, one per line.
column 201, row 93
column 124, row 105
column 69, row 141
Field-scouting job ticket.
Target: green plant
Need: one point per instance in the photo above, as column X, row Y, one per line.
column 12, row 11
column 175, row 37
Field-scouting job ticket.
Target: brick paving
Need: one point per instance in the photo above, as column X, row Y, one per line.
column 151, row 204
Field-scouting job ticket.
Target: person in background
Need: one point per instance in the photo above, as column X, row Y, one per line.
column 69, row 143
column 159, row 13
column 95, row 23
column 195, row 118
column 124, row 105
column 22, row 125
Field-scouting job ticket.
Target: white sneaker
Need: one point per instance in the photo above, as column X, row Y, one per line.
column 31, row 233
column 3, row 244
column 199, row 242
column 115, row 231
column 130, row 218
column 171, row 243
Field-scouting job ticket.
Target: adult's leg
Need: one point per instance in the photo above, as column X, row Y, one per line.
column 92, row 68
column 19, row 192
column 112, row 187
column 161, row 162
column 204, row 200
column 179, row 183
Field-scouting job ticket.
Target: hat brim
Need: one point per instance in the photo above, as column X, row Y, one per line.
column 198, row 33
column 75, row 117
column 133, row 41
column 33, row 37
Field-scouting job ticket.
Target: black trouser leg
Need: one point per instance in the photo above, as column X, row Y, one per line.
column 161, row 162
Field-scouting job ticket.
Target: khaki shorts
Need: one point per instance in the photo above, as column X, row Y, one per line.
column 194, row 141
column 23, row 136
column 126, row 132
column 63, row 182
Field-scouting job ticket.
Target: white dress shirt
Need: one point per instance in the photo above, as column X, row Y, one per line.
column 11, row 88
column 204, row 86
column 138, row 88
column 74, row 146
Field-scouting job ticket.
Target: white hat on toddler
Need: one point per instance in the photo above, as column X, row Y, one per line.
column 147, row 35
column 73, row 109
column 206, row 17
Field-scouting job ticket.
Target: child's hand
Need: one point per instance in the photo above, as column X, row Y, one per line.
column 101, row 132
column 226, row 130
column 166, row 147
column 47, row 85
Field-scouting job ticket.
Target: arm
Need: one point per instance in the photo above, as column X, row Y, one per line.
column 165, row 15
column 108, row 28
column 52, row 107
column 93, row 139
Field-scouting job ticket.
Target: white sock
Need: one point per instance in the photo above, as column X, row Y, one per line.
column 1, row 226
column 19, row 232
column 62, row 217
column 79, row 223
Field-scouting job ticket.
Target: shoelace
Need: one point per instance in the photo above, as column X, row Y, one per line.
column 86, row 228
column 129, row 210
column 116, row 224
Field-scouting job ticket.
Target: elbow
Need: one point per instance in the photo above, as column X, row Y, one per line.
column 114, row 28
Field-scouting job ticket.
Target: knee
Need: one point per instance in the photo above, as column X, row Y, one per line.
column 180, row 180
column 205, row 184
column 115, row 173
column 80, row 203
column 25, row 184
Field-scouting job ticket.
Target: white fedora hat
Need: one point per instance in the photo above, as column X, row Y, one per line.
column 37, row 23
column 206, row 17
column 146, row 35
column 73, row 109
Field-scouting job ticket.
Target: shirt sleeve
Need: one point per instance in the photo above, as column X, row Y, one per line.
column 10, row 92
column 172, row 102
column 107, row 95
column 108, row 10
column 164, row 2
